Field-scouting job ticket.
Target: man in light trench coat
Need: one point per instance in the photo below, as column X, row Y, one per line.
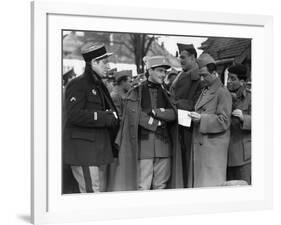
column 149, row 149
column 211, row 129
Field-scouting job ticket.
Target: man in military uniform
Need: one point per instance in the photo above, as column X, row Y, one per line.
column 91, row 120
column 149, row 150
column 123, row 84
column 186, row 89
column 239, row 151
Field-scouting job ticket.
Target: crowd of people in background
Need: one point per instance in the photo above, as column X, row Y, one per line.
column 122, row 133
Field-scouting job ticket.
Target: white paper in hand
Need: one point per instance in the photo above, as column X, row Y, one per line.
column 183, row 118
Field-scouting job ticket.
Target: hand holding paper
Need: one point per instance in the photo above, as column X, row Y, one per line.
column 195, row 116
column 184, row 118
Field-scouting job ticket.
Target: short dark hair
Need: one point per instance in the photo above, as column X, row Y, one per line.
column 240, row 70
column 211, row 67
column 191, row 51
column 121, row 79
column 146, row 74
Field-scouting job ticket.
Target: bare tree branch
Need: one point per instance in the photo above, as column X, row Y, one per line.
column 150, row 40
column 127, row 46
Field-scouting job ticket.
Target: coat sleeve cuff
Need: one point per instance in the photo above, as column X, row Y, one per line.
column 246, row 125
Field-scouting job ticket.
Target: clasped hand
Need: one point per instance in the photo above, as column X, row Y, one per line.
column 238, row 113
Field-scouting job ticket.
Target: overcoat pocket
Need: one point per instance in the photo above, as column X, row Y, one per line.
column 94, row 99
column 83, row 136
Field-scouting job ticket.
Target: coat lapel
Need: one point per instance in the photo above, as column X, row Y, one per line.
column 134, row 94
column 182, row 75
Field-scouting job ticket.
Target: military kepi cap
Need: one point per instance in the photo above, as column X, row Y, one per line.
column 182, row 47
column 157, row 61
column 92, row 51
column 187, row 47
column 123, row 73
column 239, row 69
column 205, row 59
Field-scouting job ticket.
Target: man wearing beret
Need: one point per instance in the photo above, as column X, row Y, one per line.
column 122, row 86
column 91, row 122
column 239, row 152
column 170, row 77
column 149, row 150
column 211, row 133
column 186, row 89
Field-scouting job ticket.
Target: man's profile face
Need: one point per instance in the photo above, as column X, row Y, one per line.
column 186, row 60
column 101, row 66
column 157, row 75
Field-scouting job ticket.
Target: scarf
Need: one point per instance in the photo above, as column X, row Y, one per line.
column 161, row 102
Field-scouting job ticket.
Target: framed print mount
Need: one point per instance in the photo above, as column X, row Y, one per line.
column 49, row 204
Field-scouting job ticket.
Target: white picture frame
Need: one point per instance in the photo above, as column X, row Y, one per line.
column 48, row 205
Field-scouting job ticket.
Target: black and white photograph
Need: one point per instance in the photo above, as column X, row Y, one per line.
column 143, row 111
column 150, row 111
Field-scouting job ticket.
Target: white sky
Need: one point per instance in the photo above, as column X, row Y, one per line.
column 170, row 42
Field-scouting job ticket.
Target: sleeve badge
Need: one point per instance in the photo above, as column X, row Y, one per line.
column 72, row 99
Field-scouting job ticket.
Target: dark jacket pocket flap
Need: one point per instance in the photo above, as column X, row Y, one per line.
column 83, row 136
column 95, row 99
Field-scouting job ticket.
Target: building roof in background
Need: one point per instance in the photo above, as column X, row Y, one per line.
column 223, row 48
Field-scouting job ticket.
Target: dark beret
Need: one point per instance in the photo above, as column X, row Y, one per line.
column 239, row 69
column 171, row 73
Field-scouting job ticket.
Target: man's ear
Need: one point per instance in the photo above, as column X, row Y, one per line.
column 94, row 62
column 194, row 58
column 215, row 74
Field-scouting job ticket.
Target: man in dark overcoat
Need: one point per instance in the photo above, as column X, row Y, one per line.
column 239, row 151
column 186, row 89
column 91, row 122
column 149, row 148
